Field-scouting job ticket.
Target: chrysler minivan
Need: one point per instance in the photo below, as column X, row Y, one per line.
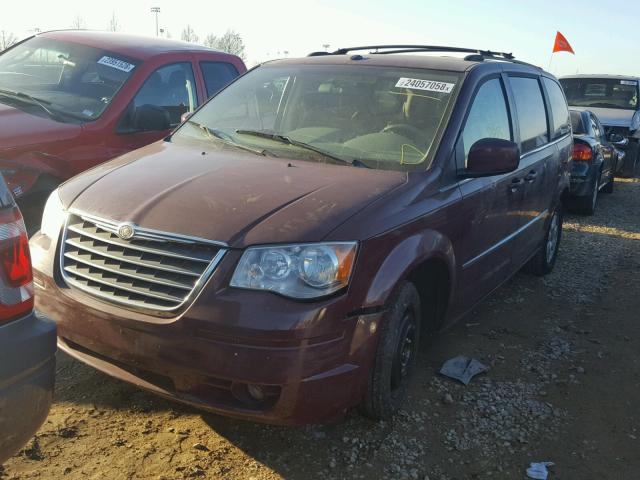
column 280, row 255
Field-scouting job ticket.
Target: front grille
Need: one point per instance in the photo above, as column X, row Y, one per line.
column 152, row 270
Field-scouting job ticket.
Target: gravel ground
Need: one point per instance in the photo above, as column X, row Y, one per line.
column 563, row 386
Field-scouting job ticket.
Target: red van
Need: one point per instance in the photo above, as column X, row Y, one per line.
column 70, row 100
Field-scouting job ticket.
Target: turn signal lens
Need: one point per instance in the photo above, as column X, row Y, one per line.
column 582, row 152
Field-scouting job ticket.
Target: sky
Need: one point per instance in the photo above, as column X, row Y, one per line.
column 604, row 38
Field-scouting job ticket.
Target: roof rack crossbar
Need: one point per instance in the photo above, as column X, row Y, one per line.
column 422, row 48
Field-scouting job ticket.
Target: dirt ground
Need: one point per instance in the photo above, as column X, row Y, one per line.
column 563, row 386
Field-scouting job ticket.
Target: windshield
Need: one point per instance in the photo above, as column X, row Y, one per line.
column 72, row 81
column 601, row 92
column 376, row 117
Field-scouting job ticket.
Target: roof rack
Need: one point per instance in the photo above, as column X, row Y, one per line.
column 475, row 55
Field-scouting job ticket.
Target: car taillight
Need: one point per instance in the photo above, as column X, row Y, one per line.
column 582, row 152
column 16, row 277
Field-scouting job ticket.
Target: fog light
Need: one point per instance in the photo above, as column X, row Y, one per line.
column 256, row 392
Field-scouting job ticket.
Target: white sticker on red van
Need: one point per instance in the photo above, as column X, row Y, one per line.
column 116, row 63
column 429, row 85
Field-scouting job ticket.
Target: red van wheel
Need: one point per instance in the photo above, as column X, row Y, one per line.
column 396, row 355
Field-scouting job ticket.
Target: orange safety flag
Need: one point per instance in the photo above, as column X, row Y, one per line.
column 562, row 45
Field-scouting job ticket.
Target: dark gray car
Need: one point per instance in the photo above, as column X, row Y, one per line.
column 27, row 340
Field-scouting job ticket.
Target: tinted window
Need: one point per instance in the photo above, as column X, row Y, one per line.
column 217, row 75
column 577, row 124
column 488, row 116
column 171, row 87
column 559, row 110
column 532, row 117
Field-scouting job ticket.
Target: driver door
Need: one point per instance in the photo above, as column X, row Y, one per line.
column 490, row 204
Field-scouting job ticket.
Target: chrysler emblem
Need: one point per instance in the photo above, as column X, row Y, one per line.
column 126, row 230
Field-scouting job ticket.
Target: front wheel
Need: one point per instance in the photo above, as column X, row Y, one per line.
column 545, row 259
column 396, row 355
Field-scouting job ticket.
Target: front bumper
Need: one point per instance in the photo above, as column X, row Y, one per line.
column 27, row 371
column 310, row 359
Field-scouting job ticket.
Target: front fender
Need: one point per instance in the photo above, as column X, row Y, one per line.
column 399, row 261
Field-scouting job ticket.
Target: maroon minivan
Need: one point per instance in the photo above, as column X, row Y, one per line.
column 278, row 257
column 70, row 100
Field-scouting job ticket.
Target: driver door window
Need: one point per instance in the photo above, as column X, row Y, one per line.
column 172, row 88
column 488, row 116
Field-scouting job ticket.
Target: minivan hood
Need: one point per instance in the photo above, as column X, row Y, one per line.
column 21, row 129
column 610, row 117
column 225, row 194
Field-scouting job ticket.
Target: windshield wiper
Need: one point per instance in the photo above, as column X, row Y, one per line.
column 225, row 137
column 33, row 101
column 296, row 143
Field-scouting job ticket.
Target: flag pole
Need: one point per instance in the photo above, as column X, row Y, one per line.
column 550, row 60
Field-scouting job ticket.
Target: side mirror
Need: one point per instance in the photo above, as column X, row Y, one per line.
column 148, row 118
column 492, row 156
column 618, row 140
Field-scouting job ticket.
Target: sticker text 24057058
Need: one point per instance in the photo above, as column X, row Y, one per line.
column 429, row 85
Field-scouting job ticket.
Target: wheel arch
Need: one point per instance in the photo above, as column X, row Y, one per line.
column 425, row 259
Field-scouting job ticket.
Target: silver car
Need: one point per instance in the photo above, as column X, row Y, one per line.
column 615, row 99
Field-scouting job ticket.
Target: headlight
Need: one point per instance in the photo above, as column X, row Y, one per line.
column 53, row 216
column 635, row 121
column 298, row 271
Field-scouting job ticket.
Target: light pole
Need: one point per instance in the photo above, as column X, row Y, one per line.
column 156, row 10
column 326, row 46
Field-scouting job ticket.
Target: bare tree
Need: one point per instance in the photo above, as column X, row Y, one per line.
column 189, row 35
column 7, row 39
column 114, row 25
column 230, row 42
column 78, row 23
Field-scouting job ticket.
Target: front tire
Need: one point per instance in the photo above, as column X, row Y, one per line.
column 544, row 260
column 396, row 355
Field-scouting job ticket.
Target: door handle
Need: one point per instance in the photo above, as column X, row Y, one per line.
column 516, row 184
column 531, row 176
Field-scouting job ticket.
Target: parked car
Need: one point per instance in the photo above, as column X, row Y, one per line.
column 27, row 339
column 615, row 100
column 295, row 238
column 595, row 162
column 70, row 100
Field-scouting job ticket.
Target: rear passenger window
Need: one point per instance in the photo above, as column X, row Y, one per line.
column 488, row 116
column 217, row 75
column 532, row 116
column 559, row 109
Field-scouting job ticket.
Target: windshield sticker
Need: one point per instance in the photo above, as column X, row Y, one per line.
column 627, row 82
column 116, row 63
column 87, row 113
column 429, row 85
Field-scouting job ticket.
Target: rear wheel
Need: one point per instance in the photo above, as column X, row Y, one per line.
column 608, row 187
column 545, row 259
column 396, row 355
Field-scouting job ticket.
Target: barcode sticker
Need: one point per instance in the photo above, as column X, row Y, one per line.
column 116, row 63
column 429, row 85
